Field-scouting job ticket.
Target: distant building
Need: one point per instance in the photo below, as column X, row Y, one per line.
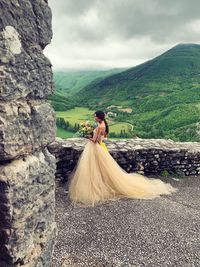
column 111, row 114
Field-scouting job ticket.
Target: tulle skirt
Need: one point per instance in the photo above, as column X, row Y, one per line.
column 97, row 177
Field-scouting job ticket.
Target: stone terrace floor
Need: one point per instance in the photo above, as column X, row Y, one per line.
column 163, row 232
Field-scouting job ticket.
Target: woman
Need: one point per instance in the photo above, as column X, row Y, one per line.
column 97, row 177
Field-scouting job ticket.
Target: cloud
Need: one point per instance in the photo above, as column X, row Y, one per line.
column 109, row 33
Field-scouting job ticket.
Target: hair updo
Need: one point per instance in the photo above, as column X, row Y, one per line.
column 101, row 115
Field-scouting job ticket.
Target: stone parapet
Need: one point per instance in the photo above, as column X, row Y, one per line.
column 145, row 156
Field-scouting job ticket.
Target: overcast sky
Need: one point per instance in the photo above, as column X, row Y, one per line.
column 103, row 34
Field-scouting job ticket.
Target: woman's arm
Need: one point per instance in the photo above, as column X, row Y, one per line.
column 97, row 135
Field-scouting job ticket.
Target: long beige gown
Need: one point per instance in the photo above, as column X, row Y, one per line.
column 97, row 177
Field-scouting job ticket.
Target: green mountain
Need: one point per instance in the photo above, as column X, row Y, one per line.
column 60, row 102
column 163, row 93
column 68, row 82
column 173, row 71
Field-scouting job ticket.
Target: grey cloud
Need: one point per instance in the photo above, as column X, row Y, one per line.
column 128, row 18
column 159, row 20
column 71, row 7
column 97, row 22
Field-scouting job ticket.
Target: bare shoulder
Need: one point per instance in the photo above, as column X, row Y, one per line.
column 100, row 128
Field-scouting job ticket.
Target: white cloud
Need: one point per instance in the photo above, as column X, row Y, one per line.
column 109, row 33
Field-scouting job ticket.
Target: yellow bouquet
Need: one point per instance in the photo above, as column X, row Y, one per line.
column 86, row 129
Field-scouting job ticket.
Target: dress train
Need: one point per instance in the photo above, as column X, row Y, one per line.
column 97, row 177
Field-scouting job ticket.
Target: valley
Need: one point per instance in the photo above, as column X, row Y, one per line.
column 80, row 114
column 157, row 99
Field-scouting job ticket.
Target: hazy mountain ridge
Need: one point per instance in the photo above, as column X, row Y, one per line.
column 70, row 82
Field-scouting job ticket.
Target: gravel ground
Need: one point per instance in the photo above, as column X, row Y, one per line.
column 164, row 231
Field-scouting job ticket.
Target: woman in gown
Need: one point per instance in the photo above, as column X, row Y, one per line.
column 97, row 177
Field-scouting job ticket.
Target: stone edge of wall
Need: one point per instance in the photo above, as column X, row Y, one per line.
column 145, row 156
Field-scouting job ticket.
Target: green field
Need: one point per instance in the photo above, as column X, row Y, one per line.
column 66, row 134
column 81, row 114
column 118, row 126
column 76, row 115
column 63, row 133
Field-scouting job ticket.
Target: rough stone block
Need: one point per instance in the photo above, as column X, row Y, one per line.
column 23, row 73
column 25, row 127
column 27, row 194
column 31, row 19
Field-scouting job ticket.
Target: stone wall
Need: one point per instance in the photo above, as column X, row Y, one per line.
column 145, row 156
column 27, row 126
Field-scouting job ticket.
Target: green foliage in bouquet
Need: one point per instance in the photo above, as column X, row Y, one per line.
column 86, row 130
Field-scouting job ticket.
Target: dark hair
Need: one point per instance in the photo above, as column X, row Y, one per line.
column 101, row 115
